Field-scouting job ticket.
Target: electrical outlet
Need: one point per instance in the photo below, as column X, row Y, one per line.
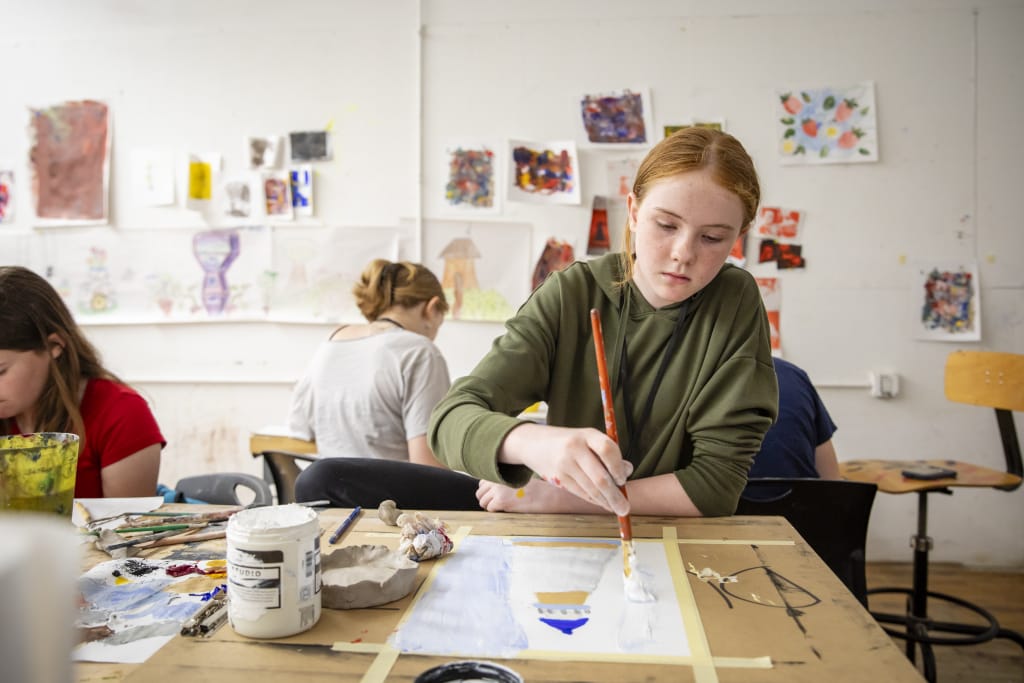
column 884, row 384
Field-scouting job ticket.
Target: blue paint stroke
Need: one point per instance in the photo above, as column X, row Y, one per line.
column 466, row 610
column 566, row 626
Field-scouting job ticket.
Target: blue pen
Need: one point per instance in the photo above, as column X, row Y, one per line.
column 345, row 524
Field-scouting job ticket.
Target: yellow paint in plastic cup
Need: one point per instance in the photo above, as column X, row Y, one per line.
column 37, row 472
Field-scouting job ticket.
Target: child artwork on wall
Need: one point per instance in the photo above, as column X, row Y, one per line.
column 948, row 300
column 315, row 268
column 549, row 595
column 158, row 275
column 738, row 254
column 483, row 267
column 543, row 172
column 778, row 229
column 472, row 177
column 6, row 195
column 827, row 125
column 70, row 163
column 201, row 170
column 312, row 145
column 301, row 180
column 238, row 197
column 771, row 294
column 555, row 256
column 621, row 173
column 599, row 238
column 263, row 151
column 277, row 196
column 617, row 118
column 152, row 177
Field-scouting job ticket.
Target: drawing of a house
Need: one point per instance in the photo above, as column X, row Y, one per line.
column 459, row 270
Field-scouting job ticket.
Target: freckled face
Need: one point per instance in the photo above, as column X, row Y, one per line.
column 23, row 375
column 683, row 231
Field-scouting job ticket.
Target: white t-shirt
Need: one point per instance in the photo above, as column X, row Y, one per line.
column 367, row 397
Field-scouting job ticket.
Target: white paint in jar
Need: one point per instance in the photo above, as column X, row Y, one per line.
column 274, row 571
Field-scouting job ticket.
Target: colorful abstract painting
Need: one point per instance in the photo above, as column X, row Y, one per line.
column 617, row 118
column 472, row 177
column 771, row 294
column 543, row 172
column 70, row 162
column 555, row 256
column 130, row 608
column 778, row 223
column 561, row 595
column 277, row 195
column 6, row 196
column 948, row 297
column 827, row 125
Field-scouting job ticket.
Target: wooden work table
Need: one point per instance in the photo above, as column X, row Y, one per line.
column 804, row 625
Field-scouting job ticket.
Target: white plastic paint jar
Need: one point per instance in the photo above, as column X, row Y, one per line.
column 273, row 571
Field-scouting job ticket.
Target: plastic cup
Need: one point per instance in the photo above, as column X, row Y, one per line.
column 37, row 472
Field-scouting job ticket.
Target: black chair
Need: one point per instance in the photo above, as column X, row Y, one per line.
column 222, row 488
column 281, row 457
column 831, row 515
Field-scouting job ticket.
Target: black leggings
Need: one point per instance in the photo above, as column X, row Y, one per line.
column 348, row 482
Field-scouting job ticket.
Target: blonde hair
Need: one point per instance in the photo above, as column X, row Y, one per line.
column 30, row 311
column 692, row 149
column 384, row 284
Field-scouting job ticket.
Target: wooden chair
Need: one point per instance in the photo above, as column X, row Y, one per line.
column 831, row 515
column 981, row 378
column 281, row 456
column 221, row 488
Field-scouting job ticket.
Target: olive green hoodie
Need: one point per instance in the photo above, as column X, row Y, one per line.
column 717, row 399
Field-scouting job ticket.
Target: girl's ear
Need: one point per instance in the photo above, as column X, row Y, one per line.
column 56, row 345
column 432, row 307
column 631, row 210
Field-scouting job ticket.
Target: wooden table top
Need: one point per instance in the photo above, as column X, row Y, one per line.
column 888, row 475
column 788, row 618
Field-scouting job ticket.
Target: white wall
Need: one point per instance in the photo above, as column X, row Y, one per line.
column 199, row 76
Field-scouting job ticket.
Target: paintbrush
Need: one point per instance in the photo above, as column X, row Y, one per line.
column 625, row 523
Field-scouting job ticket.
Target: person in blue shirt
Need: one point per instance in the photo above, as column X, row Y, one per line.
column 799, row 443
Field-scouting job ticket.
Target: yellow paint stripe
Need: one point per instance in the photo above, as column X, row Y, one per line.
column 700, row 651
column 380, row 669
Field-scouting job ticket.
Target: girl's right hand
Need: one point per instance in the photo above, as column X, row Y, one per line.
column 583, row 461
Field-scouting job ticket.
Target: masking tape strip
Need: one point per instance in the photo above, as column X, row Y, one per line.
column 729, row 541
column 381, row 667
column 342, row 646
column 700, row 651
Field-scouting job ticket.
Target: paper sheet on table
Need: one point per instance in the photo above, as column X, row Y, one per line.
column 100, row 508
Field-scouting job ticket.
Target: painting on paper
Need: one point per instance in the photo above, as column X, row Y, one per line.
column 70, row 163
column 543, row 172
column 130, row 608
column 301, row 186
column 738, row 254
column 143, row 276
column 152, row 180
column 484, row 267
column 778, row 223
column 621, row 173
column 314, row 145
column 314, row 270
column 277, row 195
column 771, row 294
column 239, row 197
column 617, row 118
column 471, row 177
column 201, row 170
column 561, row 595
column 263, row 151
column 555, row 256
column 6, row 195
column 713, row 124
column 827, row 125
column 948, row 300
